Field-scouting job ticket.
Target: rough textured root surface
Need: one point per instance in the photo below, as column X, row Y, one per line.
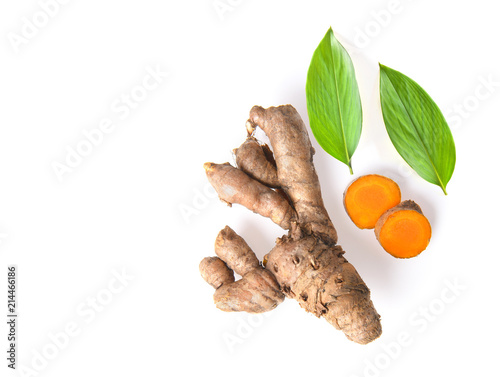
column 255, row 160
column 403, row 231
column 234, row 186
column 325, row 284
column 293, row 154
column 368, row 197
column 256, row 292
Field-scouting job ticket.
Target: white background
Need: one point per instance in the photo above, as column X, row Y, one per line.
column 138, row 205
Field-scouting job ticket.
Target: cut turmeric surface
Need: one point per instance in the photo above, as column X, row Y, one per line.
column 403, row 231
column 368, row 197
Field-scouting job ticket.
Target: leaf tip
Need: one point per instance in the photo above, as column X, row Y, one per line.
column 329, row 34
column 383, row 67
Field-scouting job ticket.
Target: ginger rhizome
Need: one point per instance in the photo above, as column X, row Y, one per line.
column 368, row 197
column 305, row 264
column 403, row 231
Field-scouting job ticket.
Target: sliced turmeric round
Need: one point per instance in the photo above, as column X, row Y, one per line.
column 368, row 197
column 403, row 231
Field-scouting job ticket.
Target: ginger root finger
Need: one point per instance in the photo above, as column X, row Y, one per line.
column 403, row 231
column 256, row 292
column 368, row 197
column 235, row 186
column 215, row 272
column 233, row 249
column 293, row 154
column 254, row 159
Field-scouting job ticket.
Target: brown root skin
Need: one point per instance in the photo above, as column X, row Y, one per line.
column 293, row 154
column 233, row 249
column 325, row 284
column 403, row 231
column 254, row 159
column 368, row 197
column 306, row 264
column 256, row 292
column 235, row 186
column 215, row 272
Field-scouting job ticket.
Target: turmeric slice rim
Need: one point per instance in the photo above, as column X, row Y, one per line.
column 403, row 233
column 368, row 197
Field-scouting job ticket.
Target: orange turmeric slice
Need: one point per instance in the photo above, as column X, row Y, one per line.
column 403, row 231
column 368, row 197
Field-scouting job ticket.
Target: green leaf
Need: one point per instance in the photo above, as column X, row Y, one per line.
column 333, row 101
column 417, row 127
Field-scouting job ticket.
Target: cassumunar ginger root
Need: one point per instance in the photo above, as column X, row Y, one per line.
column 306, row 264
column 374, row 202
column 368, row 197
column 403, row 231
